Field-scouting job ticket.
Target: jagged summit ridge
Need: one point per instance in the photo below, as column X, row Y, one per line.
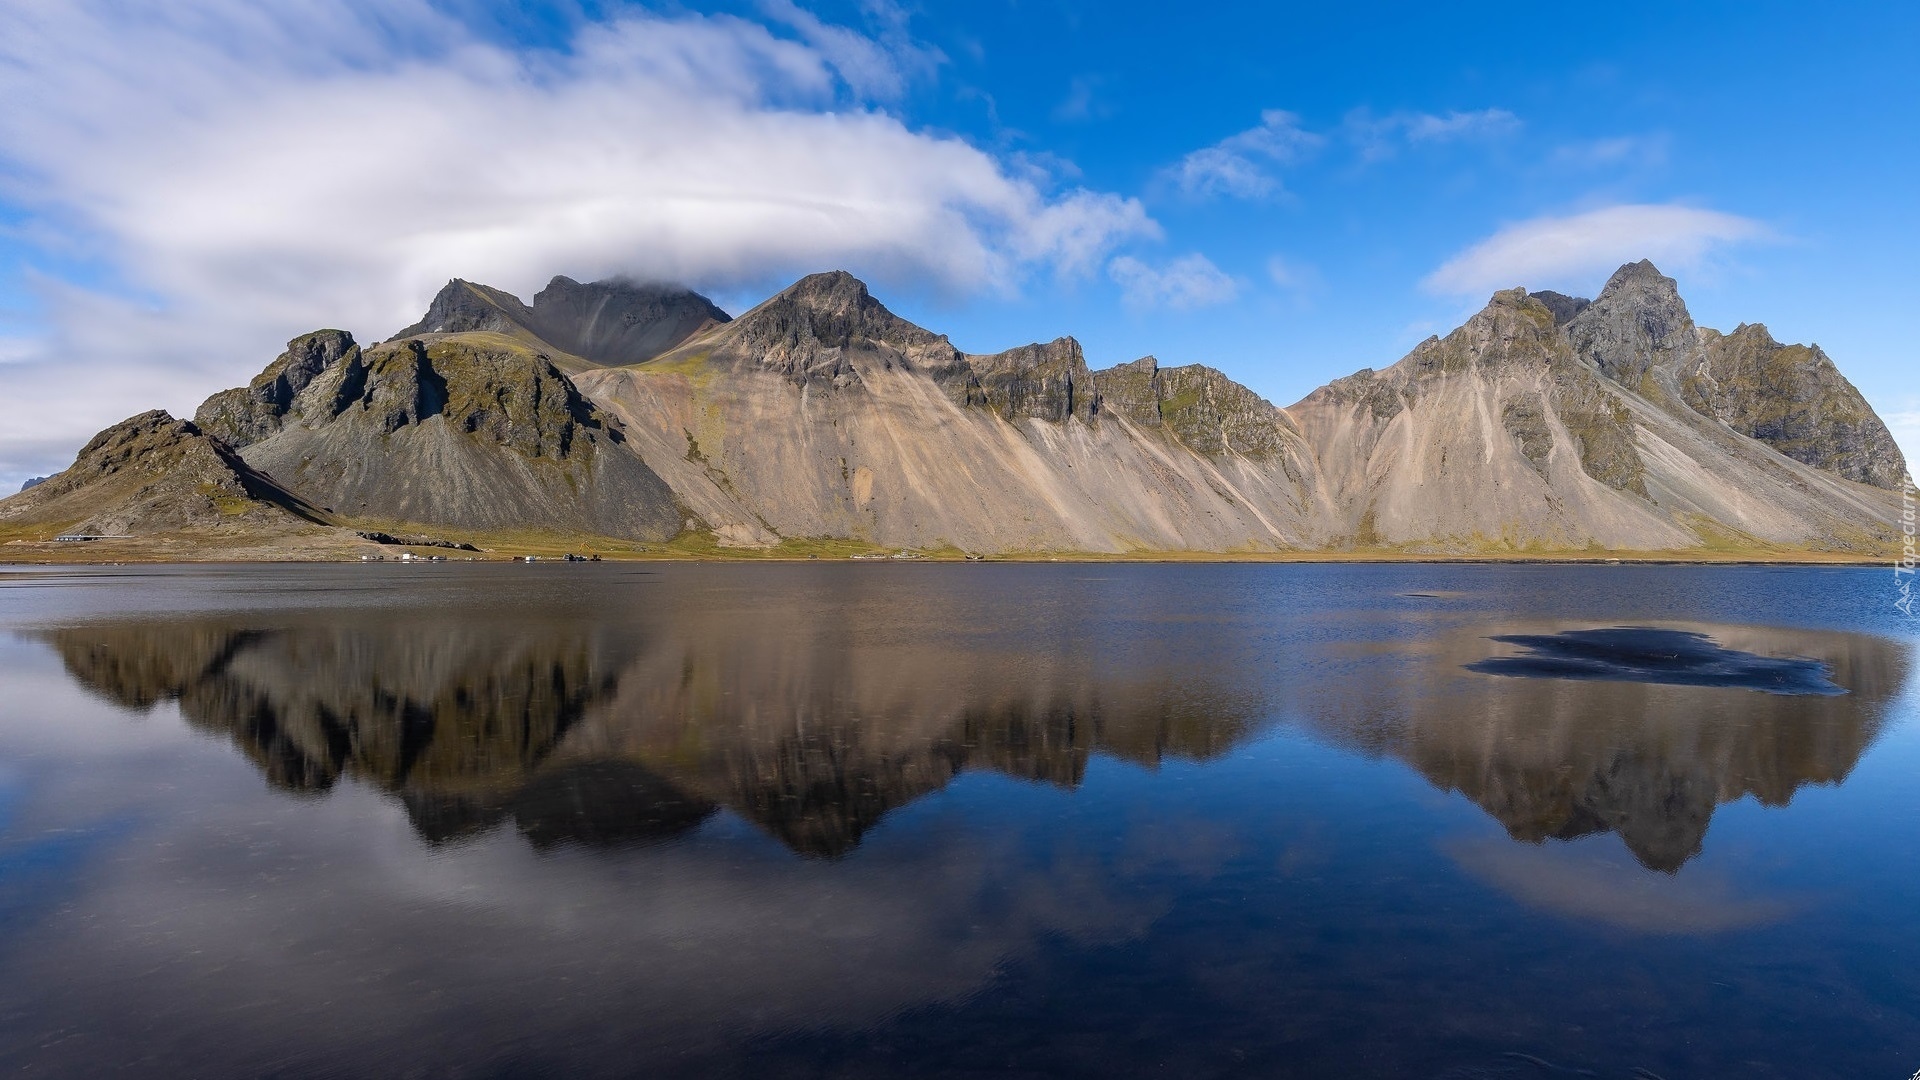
column 1544, row 423
column 612, row 322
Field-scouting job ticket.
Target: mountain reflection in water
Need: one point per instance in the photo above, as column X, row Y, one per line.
column 1558, row 759
column 600, row 735
column 874, row 821
column 613, row 730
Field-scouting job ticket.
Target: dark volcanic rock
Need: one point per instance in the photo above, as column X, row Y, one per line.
column 613, row 322
column 154, row 473
column 620, row 322
column 471, row 432
column 33, row 482
column 1047, row 382
column 1564, row 307
column 1792, row 398
column 462, row 307
column 245, row 415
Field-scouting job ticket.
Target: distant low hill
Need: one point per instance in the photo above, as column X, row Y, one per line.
column 819, row 420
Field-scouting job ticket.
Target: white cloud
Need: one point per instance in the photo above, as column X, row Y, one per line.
column 1575, row 251
column 1380, row 137
column 1239, row 165
column 252, row 171
column 1190, row 281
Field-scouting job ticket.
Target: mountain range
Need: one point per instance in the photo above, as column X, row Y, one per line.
column 617, row 416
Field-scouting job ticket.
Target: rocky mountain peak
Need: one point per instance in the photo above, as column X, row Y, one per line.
column 619, row 322
column 246, row 415
column 153, row 472
column 1794, row 399
column 463, row 307
column 1637, row 323
column 809, row 330
column 1513, row 329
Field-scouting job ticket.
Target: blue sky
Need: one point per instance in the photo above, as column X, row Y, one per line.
column 1287, row 193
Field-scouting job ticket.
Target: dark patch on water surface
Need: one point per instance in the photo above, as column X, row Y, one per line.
column 1650, row 655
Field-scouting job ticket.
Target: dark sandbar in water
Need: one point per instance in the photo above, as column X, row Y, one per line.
column 1646, row 654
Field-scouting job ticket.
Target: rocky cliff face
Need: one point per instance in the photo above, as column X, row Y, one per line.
column 620, row 322
column 1469, row 442
column 1202, row 408
column 1045, row 382
column 243, row 416
column 604, row 322
column 1637, row 324
column 1792, row 398
column 153, row 473
column 811, row 333
column 467, row 429
column 1545, row 423
column 463, row 307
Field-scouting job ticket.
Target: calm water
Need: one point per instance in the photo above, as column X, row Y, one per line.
column 883, row 820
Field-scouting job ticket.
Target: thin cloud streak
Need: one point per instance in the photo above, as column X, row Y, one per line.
column 1573, row 251
column 1188, row 282
column 1240, row 166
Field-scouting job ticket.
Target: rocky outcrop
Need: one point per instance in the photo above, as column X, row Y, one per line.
column 32, row 482
column 1202, row 408
column 1564, row 307
column 1637, row 324
column 468, row 430
column 1792, row 398
column 604, row 322
column 243, row 416
column 1045, row 382
column 811, row 332
column 153, row 473
column 463, row 307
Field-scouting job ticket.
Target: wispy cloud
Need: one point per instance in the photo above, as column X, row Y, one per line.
column 1241, row 166
column 1576, row 251
column 1082, row 101
column 1378, row 138
column 1190, row 281
column 1612, row 152
column 251, row 171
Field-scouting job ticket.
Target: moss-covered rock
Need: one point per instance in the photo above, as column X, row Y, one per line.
column 245, row 415
column 1044, row 381
column 1792, row 398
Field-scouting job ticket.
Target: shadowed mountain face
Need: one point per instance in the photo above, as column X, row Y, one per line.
column 1643, row 732
column 470, row 430
column 611, row 322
